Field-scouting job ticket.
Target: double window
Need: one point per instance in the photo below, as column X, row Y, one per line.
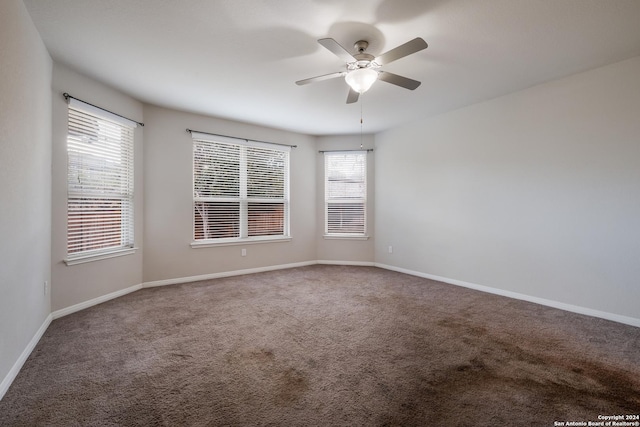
column 99, row 183
column 240, row 190
column 345, row 190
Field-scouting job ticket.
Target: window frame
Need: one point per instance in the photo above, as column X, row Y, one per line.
column 243, row 198
column 123, row 190
column 328, row 200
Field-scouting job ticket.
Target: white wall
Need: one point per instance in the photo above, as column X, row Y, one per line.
column 80, row 283
column 168, row 221
column 25, row 189
column 345, row 250
column 537, row 192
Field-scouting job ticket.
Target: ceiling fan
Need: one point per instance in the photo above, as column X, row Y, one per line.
column 363, row 69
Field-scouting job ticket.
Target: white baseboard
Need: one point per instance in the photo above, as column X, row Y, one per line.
column 356, row 263
column 225, row 274
column 15, row 369
column 95, row 301
column 542, row 301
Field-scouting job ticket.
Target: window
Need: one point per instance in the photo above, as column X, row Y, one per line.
column 240, row 190
column 100, row 183
column 345, row 190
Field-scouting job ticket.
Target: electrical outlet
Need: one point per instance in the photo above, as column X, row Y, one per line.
column 390, row 249
column 244, row 252
column 46, row 287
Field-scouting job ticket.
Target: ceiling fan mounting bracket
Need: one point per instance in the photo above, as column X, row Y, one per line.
column 361, row 45
column 363, row 59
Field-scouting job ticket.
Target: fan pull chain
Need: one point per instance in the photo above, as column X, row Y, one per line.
column 361, row 123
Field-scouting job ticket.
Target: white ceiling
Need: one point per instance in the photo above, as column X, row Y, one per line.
column 239, row 59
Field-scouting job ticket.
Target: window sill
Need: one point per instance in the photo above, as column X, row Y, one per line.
column 345, row 237
column 235, row 242
column 81, row 259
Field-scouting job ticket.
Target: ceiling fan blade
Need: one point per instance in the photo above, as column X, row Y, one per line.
column 397, row 80
column 321, row 78
column 401, row 51
column 337, row 50
column 353, row 96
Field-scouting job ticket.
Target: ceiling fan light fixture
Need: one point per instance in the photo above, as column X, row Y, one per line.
column 361, row 79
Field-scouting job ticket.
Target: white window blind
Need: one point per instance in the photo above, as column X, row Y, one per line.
column 240, row 191
column 100, row 183
column 345, row 193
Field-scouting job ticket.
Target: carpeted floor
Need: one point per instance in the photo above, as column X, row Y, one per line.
column 325, row 345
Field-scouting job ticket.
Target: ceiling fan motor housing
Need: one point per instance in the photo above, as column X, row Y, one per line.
column 364, row 60
column 361, row 46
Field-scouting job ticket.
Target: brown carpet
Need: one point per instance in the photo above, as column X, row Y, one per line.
column 325, row 345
